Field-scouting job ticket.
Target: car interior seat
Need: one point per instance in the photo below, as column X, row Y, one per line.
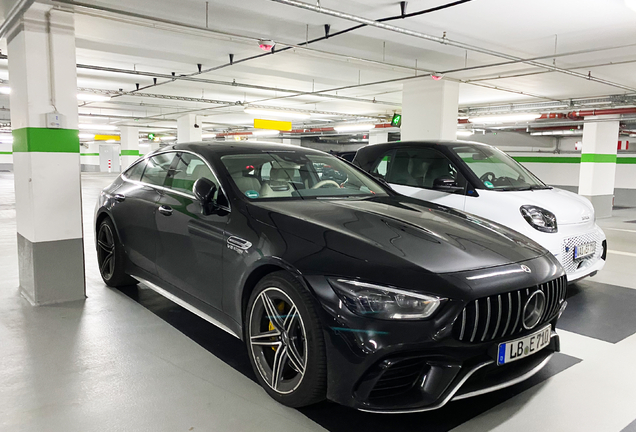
column 278, row 185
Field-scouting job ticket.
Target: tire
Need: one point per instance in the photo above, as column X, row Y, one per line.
column 111, row 257
column 293, row 341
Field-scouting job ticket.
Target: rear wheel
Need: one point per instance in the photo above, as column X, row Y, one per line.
column 110, row 256
column 285, row 341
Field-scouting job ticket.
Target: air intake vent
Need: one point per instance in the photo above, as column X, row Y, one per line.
column 398, row 378
column 500, row 316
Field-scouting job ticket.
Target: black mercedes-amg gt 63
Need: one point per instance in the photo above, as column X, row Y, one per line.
column 342, row 289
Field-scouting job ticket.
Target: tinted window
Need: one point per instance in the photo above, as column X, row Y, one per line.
column 157, row 169
column 382, row 167
column 295, row 174
column 421, row 167
column 189, row 169
column 135, row 172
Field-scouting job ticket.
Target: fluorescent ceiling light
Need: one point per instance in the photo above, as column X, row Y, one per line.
column 168, row 138
column 92, row 97
column 208, row 135
column 464, row 133
column 275, row 113
column 88, row 136
column 631, row 4
column 265, row 132
column 354, row 127
column 511, row 118
column 5, row 90
column 98, row 127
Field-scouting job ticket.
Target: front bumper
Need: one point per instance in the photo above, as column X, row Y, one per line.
column 400, row 367
column 563, row 250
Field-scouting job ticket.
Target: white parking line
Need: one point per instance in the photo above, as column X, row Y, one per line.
column 622, row 253
column 619, row 229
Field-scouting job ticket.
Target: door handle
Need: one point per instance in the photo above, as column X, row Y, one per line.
column 119, row 197
column 165, row 210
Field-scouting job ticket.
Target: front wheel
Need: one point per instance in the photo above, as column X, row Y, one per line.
column 110, row 256
column 285, row 342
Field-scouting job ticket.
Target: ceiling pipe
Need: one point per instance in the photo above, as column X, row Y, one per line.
column 575, row 115
column 16, row 12
column 445, row 41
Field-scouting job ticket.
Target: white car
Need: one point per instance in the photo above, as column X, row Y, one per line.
column 482, row 180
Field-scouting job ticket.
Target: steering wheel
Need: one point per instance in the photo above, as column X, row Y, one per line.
column 489, row 176
column 324, row 183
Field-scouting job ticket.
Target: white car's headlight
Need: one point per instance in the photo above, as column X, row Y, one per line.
column 539, row 218
column 383, row 302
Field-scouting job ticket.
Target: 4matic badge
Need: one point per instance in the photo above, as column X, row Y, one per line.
column 238, row 244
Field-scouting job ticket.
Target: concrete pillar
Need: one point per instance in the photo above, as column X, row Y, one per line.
column 378, row 136
column 429, row 110
column 46, row 152
column 598, row 164
column 186, row 132
column 129, row 145
column 292, row 141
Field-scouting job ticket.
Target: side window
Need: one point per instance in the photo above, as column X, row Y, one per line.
column 421, row 167
column 189, row 169
column 157, row 169
column 382, row 167
column 134, row 173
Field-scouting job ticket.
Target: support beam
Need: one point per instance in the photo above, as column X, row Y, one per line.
column 429, row 110
column 186, row 130
column 598, row 164
column 129, row 145
column 46, row 156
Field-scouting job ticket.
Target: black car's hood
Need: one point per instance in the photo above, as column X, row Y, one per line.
column 435, row 238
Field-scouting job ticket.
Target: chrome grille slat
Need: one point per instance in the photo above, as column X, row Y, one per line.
column 479, row 315
column 472, row 337
column 494, row 333
column 483, row 336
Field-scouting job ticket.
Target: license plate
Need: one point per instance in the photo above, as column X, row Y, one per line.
column 584, row 250
column 524, row 347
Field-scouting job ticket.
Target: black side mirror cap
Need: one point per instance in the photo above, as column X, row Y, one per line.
column 446, row 184
column 204, row 190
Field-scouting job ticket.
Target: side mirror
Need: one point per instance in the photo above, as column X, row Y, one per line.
column 446, row 184
column 204, row 190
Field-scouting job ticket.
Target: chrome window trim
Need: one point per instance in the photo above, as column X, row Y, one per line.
column 163, row 188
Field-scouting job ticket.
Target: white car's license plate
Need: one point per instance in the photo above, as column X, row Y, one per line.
column 524, row 347
column 584, row 250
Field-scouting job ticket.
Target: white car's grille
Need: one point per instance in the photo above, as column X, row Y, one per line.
column 567, row 251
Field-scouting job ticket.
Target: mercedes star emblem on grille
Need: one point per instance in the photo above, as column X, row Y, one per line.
column 533, row 310
column 526, row 269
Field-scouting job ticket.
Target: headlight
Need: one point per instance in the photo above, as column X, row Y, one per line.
column 382, row 302
column 540, row 218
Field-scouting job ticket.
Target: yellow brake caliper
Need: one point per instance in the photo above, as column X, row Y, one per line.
column 281, row 309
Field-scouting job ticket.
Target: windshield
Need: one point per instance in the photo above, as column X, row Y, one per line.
column 496, row 170
column 293, row 174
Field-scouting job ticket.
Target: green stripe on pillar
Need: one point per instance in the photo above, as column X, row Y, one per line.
column 5, row 153
column 598, row 158
column 547, row 159
column 89, row 154
column 626, row 160
column 46, row 140
column 129, row 153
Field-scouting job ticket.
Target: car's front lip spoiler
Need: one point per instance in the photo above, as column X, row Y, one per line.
column 451, row 394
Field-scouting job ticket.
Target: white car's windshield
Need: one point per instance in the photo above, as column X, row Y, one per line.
column 296, row 174
column 496, row 170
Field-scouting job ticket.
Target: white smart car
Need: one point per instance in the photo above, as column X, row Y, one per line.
column 483, row 180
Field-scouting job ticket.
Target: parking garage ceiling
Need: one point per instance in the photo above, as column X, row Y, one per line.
column 146, row 55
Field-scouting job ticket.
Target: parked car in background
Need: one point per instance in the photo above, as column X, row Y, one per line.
column 340, row 289
column 482, row 180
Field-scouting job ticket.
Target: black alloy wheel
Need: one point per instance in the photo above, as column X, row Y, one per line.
column 110, row 256
column 285, row 342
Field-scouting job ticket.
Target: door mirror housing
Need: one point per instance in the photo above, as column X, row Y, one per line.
column 446, row 184
column 204, row 190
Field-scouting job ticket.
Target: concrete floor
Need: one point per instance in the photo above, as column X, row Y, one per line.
column 126, row 360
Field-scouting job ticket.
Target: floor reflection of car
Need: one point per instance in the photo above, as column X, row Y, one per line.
column 341, row 290
column 482, row 180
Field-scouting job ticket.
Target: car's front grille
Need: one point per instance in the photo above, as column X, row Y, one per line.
column 398, row 378
column 500, row 315
column 570, row 265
